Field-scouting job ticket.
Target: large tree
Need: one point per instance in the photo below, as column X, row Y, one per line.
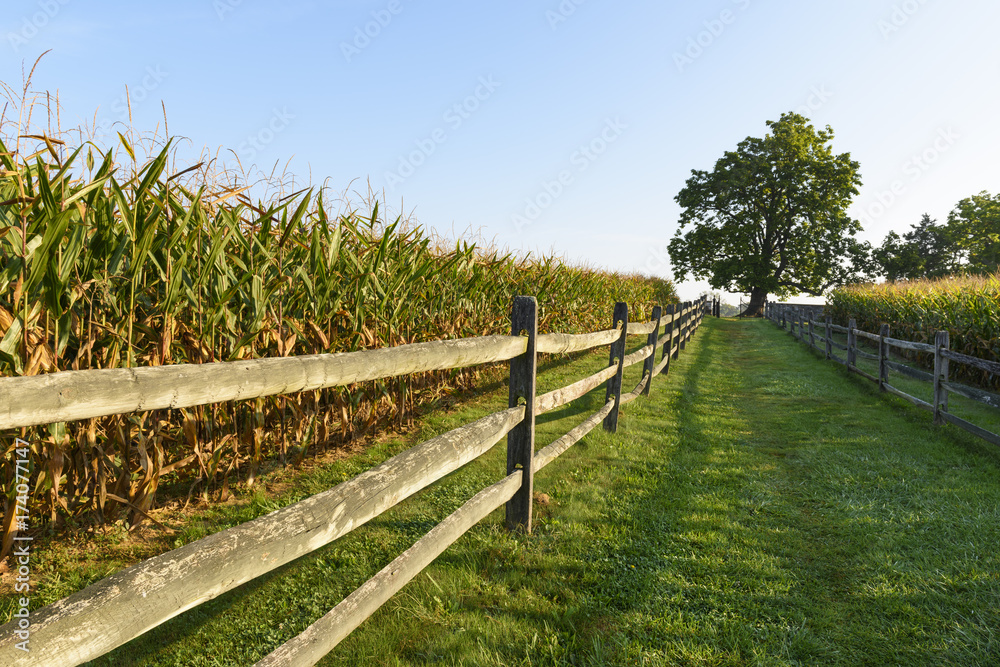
column 771, row 217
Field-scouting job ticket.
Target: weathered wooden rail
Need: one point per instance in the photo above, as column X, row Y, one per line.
column 803, row 327
column 128, row 603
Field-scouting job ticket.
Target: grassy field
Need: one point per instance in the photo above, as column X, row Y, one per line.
column 973, row 411
column 761, row 507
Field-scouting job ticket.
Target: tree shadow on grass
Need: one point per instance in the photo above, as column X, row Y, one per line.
column 721, row 548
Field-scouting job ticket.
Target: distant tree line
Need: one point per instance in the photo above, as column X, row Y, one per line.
column 728, row 310
column 968, row 242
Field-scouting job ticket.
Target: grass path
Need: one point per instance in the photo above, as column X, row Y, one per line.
column 795, row 516
column 762, row 507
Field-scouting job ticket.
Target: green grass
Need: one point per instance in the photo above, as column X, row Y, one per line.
column 979, row 414
column 762, row 507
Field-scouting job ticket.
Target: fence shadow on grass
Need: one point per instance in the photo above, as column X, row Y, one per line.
column 766, row 561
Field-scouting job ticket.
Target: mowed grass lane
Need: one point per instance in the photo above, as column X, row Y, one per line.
column 761, row 507
column 774, row 510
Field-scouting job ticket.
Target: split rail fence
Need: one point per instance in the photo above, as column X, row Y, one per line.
column 803, row 325
column 128, row 603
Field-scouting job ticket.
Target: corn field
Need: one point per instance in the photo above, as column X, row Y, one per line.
column 107, row 266
column 967, row 307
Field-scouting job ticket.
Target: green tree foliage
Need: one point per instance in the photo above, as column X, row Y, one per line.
column 928, row 250
column 728, row 310
column 771, row 217
column 969, row 242
column 975, row 226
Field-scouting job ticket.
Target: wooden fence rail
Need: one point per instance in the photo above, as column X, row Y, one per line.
column 128, row 603
column 795, row 320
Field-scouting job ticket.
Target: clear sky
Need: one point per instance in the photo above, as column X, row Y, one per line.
column 546, row 126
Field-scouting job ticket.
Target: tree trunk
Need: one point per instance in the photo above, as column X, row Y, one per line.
column 758, row 297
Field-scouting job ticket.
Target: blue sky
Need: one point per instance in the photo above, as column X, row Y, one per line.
column 545, row 126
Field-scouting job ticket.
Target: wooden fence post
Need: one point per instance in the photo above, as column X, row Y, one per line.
column 671, row 309
column 941, row 342
column 685, row 320
column 678, row 331
column 647, row 369
column 521, row 439
column 812, row 334
column 681, row 325
column 883, row 357
column 689, row 321
column 852, row 343
column 617, row 356
column 784, row 321
column 829, row 337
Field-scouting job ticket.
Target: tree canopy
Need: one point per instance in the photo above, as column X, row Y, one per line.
column 926, row 251
column 968, row 242
column 771, row 217
column 975, row 225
